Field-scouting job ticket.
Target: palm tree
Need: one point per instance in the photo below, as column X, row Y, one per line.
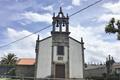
column 9, row 59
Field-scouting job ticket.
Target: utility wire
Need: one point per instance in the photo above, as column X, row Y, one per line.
column 86, row 7
column 25, row 37
column 50, row 25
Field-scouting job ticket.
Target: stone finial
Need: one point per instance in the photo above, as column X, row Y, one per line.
column 53, row 14
column 109, row 57
column 38, row 37
column 60, row 9
column 82, row 40
column 67, row 16
column 112, row 58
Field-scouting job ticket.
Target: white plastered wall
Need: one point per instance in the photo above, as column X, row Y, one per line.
column 44, row 58
column 75, row 59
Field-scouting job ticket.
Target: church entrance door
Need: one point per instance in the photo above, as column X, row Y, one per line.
column 60, row 71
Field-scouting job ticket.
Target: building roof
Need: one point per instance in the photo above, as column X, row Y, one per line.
column 116, row 65
column 26, row 61
column 94, row 66
column 69, row 37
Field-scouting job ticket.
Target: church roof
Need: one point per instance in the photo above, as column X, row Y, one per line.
column 81, row 42
column 26, row 61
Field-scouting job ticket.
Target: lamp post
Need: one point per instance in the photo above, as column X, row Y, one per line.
column 111, row 27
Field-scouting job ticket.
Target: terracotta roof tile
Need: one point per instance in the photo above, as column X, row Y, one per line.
column 26, row 61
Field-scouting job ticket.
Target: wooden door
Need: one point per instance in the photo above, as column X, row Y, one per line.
column 60, row 71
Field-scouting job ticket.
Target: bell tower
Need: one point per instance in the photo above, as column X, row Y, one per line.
column 60, row 31
column 60, row 45
column 60, row 21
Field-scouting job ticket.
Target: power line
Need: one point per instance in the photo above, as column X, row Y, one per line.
column 86, row 7
column 25, row 36
column 50, row 25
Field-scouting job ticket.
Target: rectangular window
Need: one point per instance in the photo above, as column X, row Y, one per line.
column 60, row 50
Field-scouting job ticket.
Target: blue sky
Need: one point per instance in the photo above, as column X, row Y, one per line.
column 22, row 17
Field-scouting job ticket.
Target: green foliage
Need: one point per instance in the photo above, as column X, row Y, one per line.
column 110, row 29
column 11, row 72
column 9, row 59
column 112, row 21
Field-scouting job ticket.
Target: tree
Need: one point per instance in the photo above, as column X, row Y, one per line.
column 9, row 59
column 111, row 27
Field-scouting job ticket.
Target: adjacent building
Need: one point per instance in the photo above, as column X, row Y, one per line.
column 109, row 70
column 25, row 67
column 95, row 70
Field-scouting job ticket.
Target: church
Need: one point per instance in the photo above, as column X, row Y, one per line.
column 59, row 55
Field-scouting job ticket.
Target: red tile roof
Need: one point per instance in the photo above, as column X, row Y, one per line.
column 26, row 61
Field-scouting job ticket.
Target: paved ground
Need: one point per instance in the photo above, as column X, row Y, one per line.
column 6, row 79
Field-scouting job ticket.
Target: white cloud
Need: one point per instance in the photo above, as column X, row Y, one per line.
column 23, row 48
column 113, row 7
column 97, row 49
column 107, row 17
column 35, row 17
column 113, row 10
column 76, row 2
column 49, row 8
column 69, row 7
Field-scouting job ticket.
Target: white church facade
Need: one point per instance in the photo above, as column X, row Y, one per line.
column 59, row 55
